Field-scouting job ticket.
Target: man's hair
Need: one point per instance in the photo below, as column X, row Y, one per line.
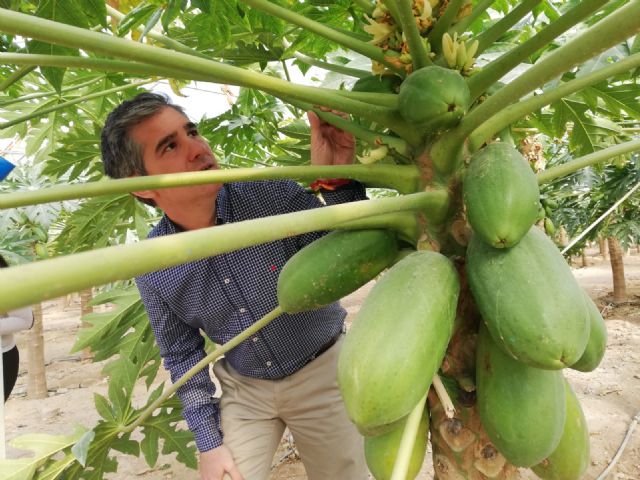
column 3, row 262
column 121, row 156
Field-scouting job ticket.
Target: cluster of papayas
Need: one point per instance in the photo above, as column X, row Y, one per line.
column 393, row 350
column 536, row 321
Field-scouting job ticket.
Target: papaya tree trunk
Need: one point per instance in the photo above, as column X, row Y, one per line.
column 36, row 377
column 617, row 271
column 585, row 263
column 461, row 448
column 602, row 244
column 86, row 308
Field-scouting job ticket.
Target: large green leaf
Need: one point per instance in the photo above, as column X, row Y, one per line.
column 42, row 447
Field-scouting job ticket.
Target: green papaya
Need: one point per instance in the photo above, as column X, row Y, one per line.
column 434, row 98
column 597, row 343
column 529, row 300
column 377, row 84
column 570, row 459
column 334, row 266
column 397, row 341
column 501, row 195
column 381, row 451
column 522, row 408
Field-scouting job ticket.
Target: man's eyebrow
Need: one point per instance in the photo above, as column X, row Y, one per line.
column 167, row 139
column 164, row 141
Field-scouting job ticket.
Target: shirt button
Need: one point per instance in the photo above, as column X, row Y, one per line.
column 243, row 310
column 268, row 364
column 255, row 339
column 226, row 280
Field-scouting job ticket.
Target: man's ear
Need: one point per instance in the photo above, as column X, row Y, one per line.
column 146, row 194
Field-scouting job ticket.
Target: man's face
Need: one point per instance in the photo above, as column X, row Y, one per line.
column 171, row 144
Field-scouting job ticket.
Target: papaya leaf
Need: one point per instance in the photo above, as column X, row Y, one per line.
column 104, row 324
column 171, row 12
column 138, row 16
column 98, row 222
column 103, row 407
column 98, row 461
column 162, row 426
column 43, row 447
column 57, row 469
column 95, row 10
column 621, row 100
column 81, row 448
column 120, row 389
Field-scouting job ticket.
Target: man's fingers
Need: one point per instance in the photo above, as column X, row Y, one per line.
column 235, row 474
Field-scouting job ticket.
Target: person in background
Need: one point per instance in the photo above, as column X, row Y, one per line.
column 10, row 323
column 285, row 375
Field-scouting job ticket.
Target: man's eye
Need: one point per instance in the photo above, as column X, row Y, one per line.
column 194, row 132
column 170, row 146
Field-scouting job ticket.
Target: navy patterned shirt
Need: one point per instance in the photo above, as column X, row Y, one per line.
column 224, row 294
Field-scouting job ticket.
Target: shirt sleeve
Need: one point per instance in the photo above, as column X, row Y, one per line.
column 182, row 347
column 16, row 320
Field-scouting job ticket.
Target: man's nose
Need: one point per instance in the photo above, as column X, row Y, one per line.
column 197, row 148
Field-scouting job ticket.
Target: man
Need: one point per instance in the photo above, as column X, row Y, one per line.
column 285, row 375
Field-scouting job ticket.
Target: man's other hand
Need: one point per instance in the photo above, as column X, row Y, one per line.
column 329, row 144
column 215, row 463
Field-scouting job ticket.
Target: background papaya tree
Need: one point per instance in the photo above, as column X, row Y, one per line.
column 516, row 58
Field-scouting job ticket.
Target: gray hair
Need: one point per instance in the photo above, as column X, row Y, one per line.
column 121, row 156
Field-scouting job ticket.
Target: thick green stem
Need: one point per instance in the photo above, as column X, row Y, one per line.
column 514, row 112
column 318, row 28
column 401, row 467
column 617, row 27
column 389, row 100
column 490, row 35
column 403, row 178
column 16, row 76
column 443, row 25
column 332, row 67
column 587, row 160
column 213, row 356
column 61, row 106
column 419, row 54
column 99, row 64
column 34, row 282
column 34, row 96
column 494, row 71
column 67, row 35
column 158, row 37
column 478, row 9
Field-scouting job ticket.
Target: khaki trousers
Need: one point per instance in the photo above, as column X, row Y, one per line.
column 255, row 412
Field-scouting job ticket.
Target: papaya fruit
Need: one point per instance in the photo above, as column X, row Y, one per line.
column 377, row 84
column 434, row 98
column 522, row 408
column 381, row 451
column 529, row 300
column 334, row 266
column 501, row 195
column 398, row 341
column 570, row 459
column 597, row 343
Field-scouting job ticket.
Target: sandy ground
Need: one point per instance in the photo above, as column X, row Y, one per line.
column 610, row 396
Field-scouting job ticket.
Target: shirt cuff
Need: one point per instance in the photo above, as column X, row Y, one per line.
column 348, row 192
column 208, row 435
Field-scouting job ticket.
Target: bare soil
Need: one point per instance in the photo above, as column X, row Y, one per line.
column 610, row 396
